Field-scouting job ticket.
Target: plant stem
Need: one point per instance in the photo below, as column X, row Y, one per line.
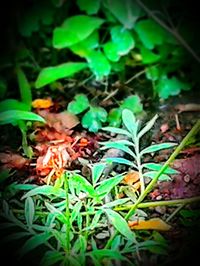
column 137, row 151
column 66, row 186
column 150, row 186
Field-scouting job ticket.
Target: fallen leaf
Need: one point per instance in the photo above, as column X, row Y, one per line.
column 42, row 103
column 131, row 178
column 13, row 160
column 152, row 224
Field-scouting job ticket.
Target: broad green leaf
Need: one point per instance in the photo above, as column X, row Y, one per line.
column 153, row 73
column 119, row 146
column 69, row 33
column 51, row 74
column 76, row 210
column 29, row 209
column 120, row 224
column 170, row 86
column 123, row 40
column 93, row 118
column 79, row 104
column 129, row 121
column 115, row 117
column 120, row 160
column 148, row 126
column 127, row 11
column 84, row 47
column 157, row 167
column 12, row 116
column 34, row 242
column 158, row 147
column 84, row 185
column 12, row 104
column 111, row 51
column 24, row 88
column 98, row 64
column 149, row 57
column 90, row 7
column 52, row 258
column 162, row 177
column 105, row 186
column 46, row 190
column 97, row 170
column 132, row 103
column 117, row 131
column 151, row 33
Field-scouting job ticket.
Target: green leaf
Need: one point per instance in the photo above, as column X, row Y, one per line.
column 97, row 170
column 34, row 242
column 105, row 186
column 90, row 7
column 51, row 74
column 115, row 117
column 157, row 167
column 111, row 51
column 170, row 86
column 132, row 103
column 117, row 131
column 96, row 219
column 151, row 33
column 79, row 105
column 84, row 47
column 162, row 177
column 93, row 118
column 158, row 147
column 120, row 160
column 120, row 141
column 148, row 126
column 12, row 116
column 123, row 40
column 51, row 258
column 69, row 33
column 12, row 104
column 56, row 212
column 99, row 64
column 46, row 190
column 3, row 87
column 115, row 203
column 129, row 121
column 84, row 185
column 149, row 57
column 107, row 253
column 152, row 73
column 24, row 87
column 120, row 224
column 29, row 209
column 76, row 210
column 127, row 12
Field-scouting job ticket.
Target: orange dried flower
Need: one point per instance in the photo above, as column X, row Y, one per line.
column 42, row 103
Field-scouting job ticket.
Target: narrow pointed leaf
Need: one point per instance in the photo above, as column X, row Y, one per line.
column 120, row 160
column 120, row 224
column 97, row 170
column 152, row 174
column 105, row 186
column 46, row 190
column 51, row 258
column 148, row 126
column 29, row 211
column 157, row 167
column 117, row 131
column 129, row 121
column 119, row 146
column 158, row 147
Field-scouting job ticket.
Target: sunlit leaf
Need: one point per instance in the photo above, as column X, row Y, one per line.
column 46, row 190
column 79, row 104
column 148, row 126
column 29, row 211
column 105, row 186
column 132, row 103
column 51, row 74
column 148, row 56
column 69, row 33
column 111, row 51
column 99, row 64
column 91, row 7
column 93, row 118
column 158, row 147
column 12, row 116
column 84, row 185
column 152, row 224
column 97, row 170
column 120, row 224
column 115, row 117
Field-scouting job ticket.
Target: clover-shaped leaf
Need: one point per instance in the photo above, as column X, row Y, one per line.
column 79, row 105
column 93, row 119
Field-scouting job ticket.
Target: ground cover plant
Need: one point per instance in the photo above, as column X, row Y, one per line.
column 99, row 146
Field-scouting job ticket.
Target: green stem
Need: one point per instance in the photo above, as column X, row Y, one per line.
column 150, row 186
column 66, row 186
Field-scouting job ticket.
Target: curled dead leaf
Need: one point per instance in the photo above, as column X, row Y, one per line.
column 152, row 224
column 13, row 160
column 131, row 178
